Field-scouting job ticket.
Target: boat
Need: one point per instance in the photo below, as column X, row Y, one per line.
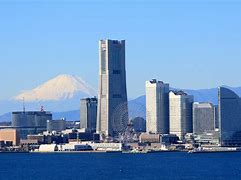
column 215, row 150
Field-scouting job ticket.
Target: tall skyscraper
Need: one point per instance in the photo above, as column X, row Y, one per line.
column 88, row 113
column 203, row 117
column 112, row 116
column 157, row 107
column 180, row 113
column 229, row 117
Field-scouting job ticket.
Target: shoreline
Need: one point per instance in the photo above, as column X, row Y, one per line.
column 116, row 152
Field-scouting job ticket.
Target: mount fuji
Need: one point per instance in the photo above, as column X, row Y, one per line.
column 62, row 87
column 61, row 94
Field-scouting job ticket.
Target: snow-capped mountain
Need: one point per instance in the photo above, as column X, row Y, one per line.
column 62, row 87
column 60, row 94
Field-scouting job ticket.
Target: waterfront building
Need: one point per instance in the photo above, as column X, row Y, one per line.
column 88, row 113
column 139, row 124
column 168, row 138
column 77, row 146
column 27, row 143
column 47, row 148
column 207, row 138
column 74, row 146
column 157, row 107
column 149, row 138
column 180, row 107
column 229, row 117
column 40, row 138
column 203, row 117
column 10, row 136
column 30, row 122
column 31, row 118
column 106, row 146
column 56, row 125
column 112, row 117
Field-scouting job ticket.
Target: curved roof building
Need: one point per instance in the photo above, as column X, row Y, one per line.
column 229, row 117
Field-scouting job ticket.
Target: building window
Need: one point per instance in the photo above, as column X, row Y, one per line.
column 116, row 96
column 103, row 61
column 115, row 42
column 116, row 71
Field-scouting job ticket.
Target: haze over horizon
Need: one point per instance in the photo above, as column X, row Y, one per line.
column 66, row 83
column 194, row 45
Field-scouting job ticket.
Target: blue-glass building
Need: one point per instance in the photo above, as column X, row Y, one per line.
column 229, row 117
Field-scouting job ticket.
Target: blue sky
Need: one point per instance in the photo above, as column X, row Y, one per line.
column 190, row 44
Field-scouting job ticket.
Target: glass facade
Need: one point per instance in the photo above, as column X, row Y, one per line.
column 229, row 117
column 203, row 117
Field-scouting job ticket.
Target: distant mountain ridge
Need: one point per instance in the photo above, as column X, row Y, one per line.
column 200, row 95
column 137, row 106
column 61, row 95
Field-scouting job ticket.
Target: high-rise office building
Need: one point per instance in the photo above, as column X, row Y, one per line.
column 203, row 117
column 180, row 107
column 88, row 113
column 157, row 107
column 112, row 115
column 229, row 117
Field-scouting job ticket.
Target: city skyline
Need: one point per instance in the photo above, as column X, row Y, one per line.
column 120, row 89
column 62, row 38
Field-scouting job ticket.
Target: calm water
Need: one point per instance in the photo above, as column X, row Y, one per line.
column 120, row 166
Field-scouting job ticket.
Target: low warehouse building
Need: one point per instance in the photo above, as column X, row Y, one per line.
column 10, row 135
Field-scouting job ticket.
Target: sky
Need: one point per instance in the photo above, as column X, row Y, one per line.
column 192, row 44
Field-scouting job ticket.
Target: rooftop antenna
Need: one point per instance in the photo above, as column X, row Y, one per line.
column 42, row 108
column 23, row 105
